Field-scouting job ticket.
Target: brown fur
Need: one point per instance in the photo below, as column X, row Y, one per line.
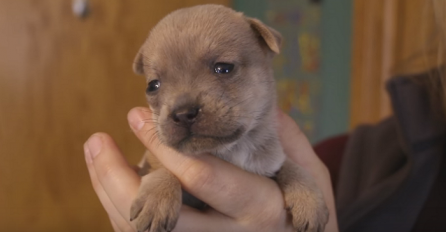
column 231, row 115
column 158, row 202
column 300, row 198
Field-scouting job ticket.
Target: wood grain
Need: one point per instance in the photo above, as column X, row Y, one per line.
column 390, row 38
column 61, row 79
column 366, row 61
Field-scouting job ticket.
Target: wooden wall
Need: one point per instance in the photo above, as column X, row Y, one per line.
column 61, row 79
column 390, row 37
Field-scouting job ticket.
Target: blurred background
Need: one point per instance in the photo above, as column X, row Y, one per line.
column 65, row 73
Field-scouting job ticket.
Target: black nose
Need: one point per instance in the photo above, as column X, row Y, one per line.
column 186, row 115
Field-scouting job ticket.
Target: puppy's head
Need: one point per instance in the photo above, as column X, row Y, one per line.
column 209, row 76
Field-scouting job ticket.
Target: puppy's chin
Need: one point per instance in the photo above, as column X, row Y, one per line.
column 193, row 143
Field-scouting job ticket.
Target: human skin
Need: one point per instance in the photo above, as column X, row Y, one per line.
column 240, row 201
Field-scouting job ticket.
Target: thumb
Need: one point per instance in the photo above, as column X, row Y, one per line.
column 114, row 181
column 295, row 144
column 298, row 149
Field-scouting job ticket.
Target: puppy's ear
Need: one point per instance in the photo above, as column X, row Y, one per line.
column 138, row 65
column 271, row 37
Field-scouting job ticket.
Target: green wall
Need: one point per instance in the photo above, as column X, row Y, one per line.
column 332, row 105
column 336, row 66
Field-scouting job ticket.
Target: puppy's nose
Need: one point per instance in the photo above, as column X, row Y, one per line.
column 186, row 115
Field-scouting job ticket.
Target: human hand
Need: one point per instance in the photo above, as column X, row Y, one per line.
column 240, row 201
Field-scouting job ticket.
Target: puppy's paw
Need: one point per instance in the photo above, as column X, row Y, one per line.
column 307, row 208
column 303, row 199
column 157, row 206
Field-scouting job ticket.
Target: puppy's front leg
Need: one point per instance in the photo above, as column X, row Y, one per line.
column 157, row 206
column 303, row 199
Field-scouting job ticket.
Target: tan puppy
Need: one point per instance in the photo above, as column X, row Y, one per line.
column 211, row 89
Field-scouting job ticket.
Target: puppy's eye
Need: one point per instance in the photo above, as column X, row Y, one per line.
column 153, row 86
column 223, row 68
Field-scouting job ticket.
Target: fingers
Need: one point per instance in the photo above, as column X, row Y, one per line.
column 115, row 226
column 192, row 220
column 295, row 143
column 298, row 149
column 114, row 181
column 223, row 186
column 116, row 184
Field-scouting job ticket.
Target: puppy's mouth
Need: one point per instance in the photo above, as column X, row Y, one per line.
column 223, row 139
column 197, row 143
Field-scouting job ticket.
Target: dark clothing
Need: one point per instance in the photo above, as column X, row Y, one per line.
column 392, row 175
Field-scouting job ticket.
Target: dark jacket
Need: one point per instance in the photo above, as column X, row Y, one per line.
column 393, row 175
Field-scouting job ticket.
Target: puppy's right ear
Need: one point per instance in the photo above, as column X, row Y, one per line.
column 138, row 65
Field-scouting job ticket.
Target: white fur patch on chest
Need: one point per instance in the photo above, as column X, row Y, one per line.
column 267, row 166
column 261, row 164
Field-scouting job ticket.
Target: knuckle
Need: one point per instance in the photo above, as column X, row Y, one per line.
column 105, row 172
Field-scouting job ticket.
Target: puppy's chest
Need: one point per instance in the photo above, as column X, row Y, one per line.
column 265, row 163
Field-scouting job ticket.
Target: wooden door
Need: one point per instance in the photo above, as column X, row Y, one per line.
column 63, row 78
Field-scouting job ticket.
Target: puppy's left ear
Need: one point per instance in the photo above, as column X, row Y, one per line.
column 271, row 37
column 138, row 65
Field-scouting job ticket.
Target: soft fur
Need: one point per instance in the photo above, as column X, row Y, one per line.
column 233, row 113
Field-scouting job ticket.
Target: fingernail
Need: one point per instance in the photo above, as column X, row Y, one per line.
column 136, row 120
column 94, row 145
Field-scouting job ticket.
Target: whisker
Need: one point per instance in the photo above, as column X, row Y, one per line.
column 242, row 101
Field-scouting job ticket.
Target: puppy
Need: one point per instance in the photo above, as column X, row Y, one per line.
column 211, row 89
